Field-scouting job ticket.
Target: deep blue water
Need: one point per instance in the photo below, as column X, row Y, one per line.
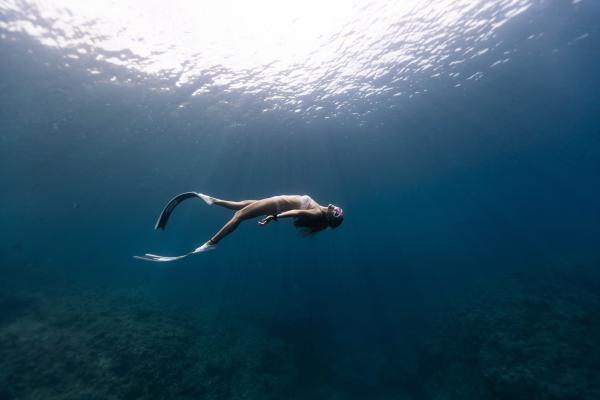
column 467, row 163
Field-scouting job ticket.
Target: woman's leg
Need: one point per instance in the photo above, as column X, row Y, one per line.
column 252, row 210
column 233, row 205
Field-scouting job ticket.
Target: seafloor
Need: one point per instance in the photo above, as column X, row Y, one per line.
column 517, row 336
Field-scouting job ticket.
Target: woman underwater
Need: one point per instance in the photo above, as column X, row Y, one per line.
column 307, row 214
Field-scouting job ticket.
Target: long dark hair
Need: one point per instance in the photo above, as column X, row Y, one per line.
column 311, row 224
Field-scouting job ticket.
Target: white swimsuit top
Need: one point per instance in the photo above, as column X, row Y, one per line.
column 305, row 202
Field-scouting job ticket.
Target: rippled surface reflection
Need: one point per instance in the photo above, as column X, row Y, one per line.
column 311, row 57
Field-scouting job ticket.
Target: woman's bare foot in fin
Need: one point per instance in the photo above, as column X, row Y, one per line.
column 206, row 247
column 207, row 199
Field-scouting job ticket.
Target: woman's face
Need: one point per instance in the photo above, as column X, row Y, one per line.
column 334, row 211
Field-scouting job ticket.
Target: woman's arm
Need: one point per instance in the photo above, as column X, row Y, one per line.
column 294, row 213
column 286, row 214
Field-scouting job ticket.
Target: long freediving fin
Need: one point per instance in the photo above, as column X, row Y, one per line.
column 164, row 218
column 166, row 212
column 156, row 258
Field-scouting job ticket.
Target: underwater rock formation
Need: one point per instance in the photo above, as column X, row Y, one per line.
column 533, row 336
column 528, row 336
column 94, row 346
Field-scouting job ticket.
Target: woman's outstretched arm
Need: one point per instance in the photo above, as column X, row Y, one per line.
column 287, row 214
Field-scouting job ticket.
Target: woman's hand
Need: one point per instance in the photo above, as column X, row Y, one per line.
column 266, row 220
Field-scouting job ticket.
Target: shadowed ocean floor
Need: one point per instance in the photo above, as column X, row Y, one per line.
column 513, row 336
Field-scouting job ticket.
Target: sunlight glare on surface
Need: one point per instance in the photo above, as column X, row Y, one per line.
column 294, row 55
